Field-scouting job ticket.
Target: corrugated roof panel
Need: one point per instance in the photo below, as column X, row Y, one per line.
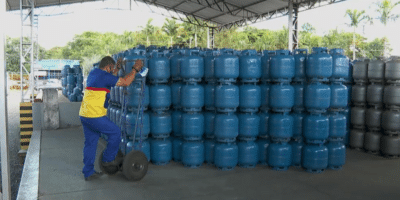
column 268, row 6
column 207, row 12
column 189, row 7
column 242, row 3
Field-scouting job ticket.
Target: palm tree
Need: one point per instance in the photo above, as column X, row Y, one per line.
column 385, row 8
column 356, row 17
column 170, row 27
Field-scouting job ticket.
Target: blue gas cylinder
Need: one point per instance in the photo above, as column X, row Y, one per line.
column 209, row 95
column 176, row 123
column 263, row 151
column 71, row 79
column 339, row 96
column 226, row 127
column 300, row 58
column 264, row 121
column 134, row 98
column 122, row 95
column 226, row 155
column 279, row 156
column 159, row 68
column 193, row 153
column 70, row 88
column 65, row 70
column 317, row 97
column 122, row 124
column 118, row 113
column 298, row 96
column 192, row 97
column 77, row 91
column 79, row 78
column 130, row 61
column 192, row 66
column 347, row 114
column 209, row 124
column 249, row 124
column 226, row 65
column 280, row 127
column 282, row 66
column 65, row 91
column 298, row 125
column 160, row 97
column 349, row 89
column 160, row 151
column 160, row 125
column 143, row 146
column 297, row 147
column 112, row 95
column 176, row 94
column 340, row 65
column 112, row 114
column 281, row 98
column 249, row 66
column 64, row 82
column 316, row 128
column 80, row 86
column 192, row 126
column 122, row 144
column 319, row 64
column 226, row 97
column 72, row 97
column 265, row 88
column 116, row 94
column 315, row 158
column 265, row 65
column 177, row 149
column 143, row 125
column 337, row 126
column 336, row 155
column 249, row 97
column 248, row 154
column 209, row 66
column 209, row 151
column 176, row 64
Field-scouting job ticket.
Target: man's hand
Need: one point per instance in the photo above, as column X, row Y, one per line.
column 119, row 64
column 138, row 65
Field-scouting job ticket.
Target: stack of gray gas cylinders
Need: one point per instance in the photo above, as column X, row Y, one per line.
column 375, row 113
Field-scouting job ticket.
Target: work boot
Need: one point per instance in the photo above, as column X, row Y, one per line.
column 95, row 175
column 119, row 158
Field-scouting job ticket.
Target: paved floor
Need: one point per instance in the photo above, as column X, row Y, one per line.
column 363, row 177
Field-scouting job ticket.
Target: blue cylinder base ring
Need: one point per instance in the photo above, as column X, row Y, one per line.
column 315, row 141
column 247, row 166
column 280, row 140
column 161, row 136
column 161, row 163
column 225, row 168
column 227, row 140
column 335, row 167
column 315, row 171
column 247, row 138
column 279, row 168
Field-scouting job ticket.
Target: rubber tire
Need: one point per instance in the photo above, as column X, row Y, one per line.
column 135, row 157
column 111, row 170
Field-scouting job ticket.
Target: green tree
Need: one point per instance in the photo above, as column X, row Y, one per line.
column 170, row 27
column 356, row 17
column 385, row 11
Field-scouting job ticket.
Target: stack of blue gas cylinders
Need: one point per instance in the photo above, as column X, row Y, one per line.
column 72, row 82
column 324, row 126
column 231, row 108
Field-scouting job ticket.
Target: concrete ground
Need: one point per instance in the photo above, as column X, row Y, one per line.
column 364, row 177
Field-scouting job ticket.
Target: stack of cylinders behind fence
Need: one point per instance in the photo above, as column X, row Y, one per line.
column 390, row 140
column 72, row 82
column 281, row 102
column 359, row 103
column 192, row 102
column 226, row 73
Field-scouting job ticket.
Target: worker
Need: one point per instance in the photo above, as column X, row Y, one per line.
column 93, row 113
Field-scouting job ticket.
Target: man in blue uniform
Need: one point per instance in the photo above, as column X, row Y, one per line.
column 93, row 113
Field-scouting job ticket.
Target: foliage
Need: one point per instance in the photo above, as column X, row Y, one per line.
column 384, row 9
column 356, row 17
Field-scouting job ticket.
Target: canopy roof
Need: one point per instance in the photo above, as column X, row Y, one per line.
column 212, row 13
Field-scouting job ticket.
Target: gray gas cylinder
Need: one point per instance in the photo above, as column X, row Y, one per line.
column 391, row 122
column 358, row 117
column 373, row 118
column 372, row 142
column 359, row 94
column 356, row 139
column 390, row 146
column 375, row 94
column 391, row 96
column 376, row 70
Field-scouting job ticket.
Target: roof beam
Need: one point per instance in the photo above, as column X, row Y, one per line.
column 237, row 9
column 208, row 6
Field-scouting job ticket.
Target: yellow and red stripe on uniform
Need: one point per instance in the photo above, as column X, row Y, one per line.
column 93, row 103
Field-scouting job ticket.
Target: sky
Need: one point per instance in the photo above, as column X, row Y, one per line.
column 115, row 16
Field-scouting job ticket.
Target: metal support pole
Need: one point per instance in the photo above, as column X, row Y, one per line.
column 5, row 161
column 32, row 78
column 208, row 37
column 290, row 26
column 212, row 38
column 21, row 56
column 295, row 26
